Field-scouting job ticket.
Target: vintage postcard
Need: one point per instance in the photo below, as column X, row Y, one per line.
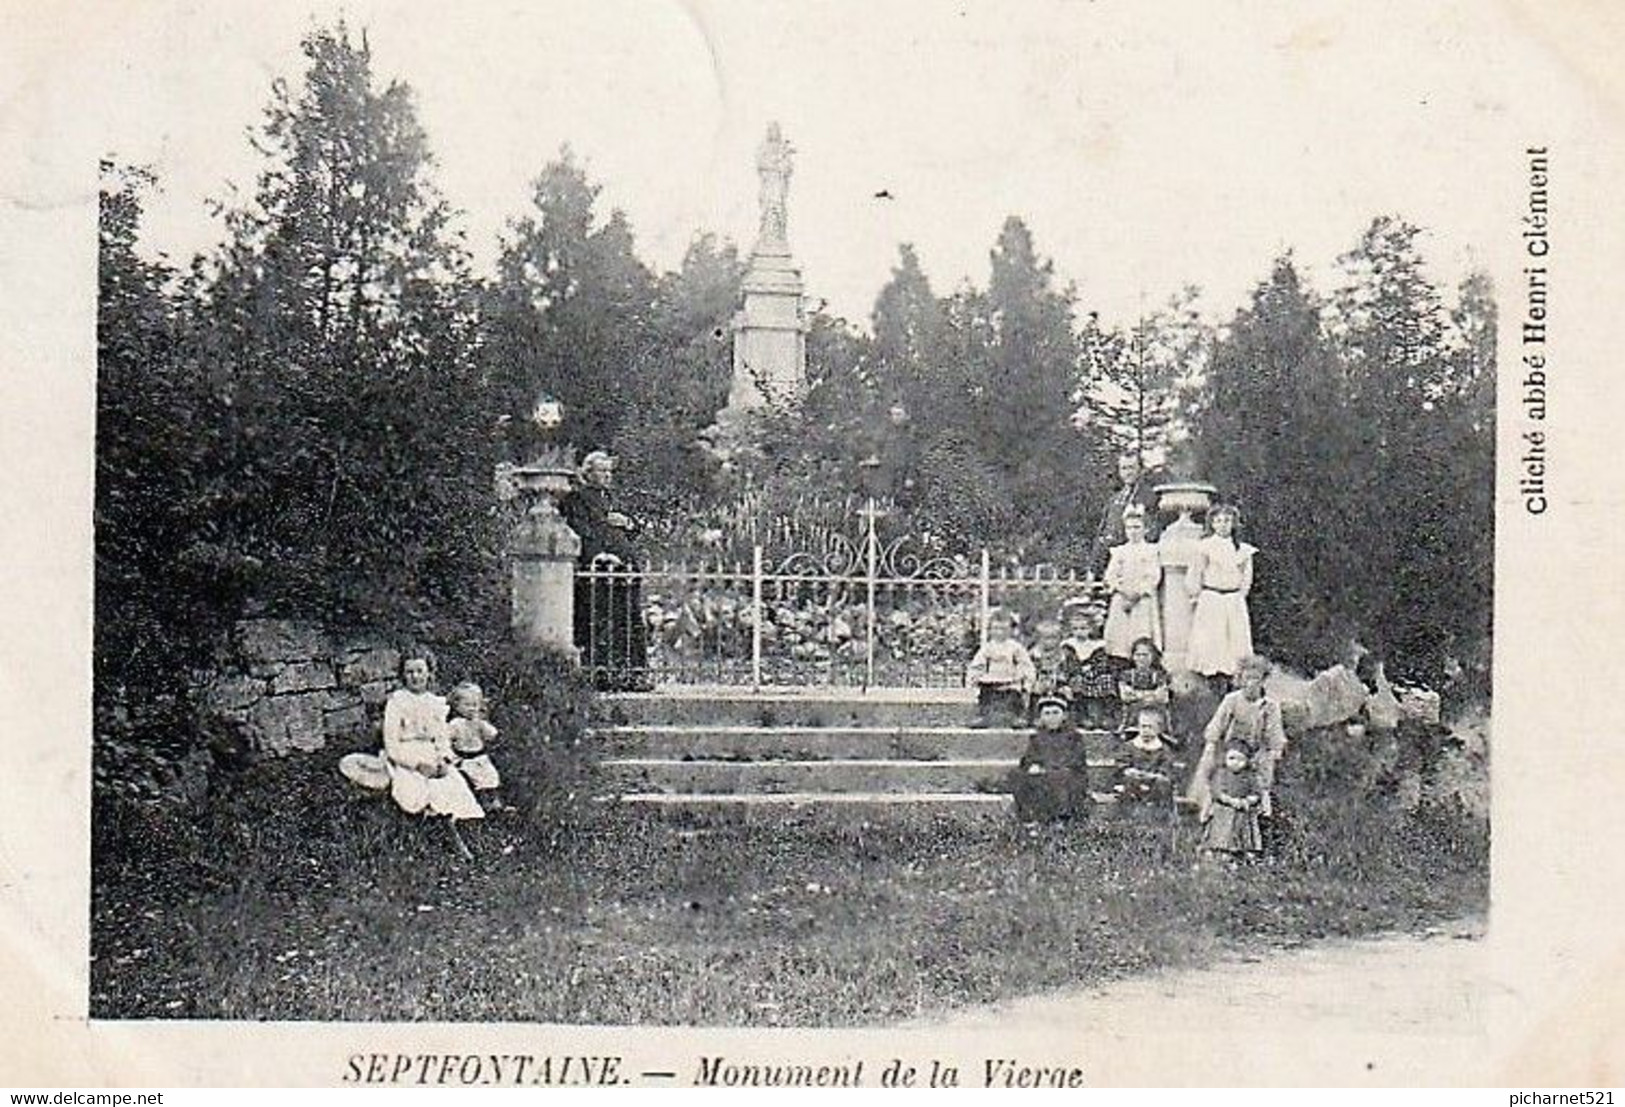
column 706, row 544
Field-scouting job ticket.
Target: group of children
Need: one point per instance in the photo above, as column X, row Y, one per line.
column 1111, row 677
column 1085, row 680
column 1100, row 682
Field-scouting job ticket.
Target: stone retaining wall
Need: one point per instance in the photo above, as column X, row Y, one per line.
column 295, row 687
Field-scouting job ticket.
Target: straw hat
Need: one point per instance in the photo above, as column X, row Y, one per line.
column 369, row 770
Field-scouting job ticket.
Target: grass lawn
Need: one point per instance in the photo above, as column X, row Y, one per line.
column 338, row 908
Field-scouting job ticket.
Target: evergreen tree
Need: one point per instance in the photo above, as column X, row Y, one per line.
column 572, row 311
column 1025, row 409
column 1357, row 435
column 674, row 393
column 343, row 340
column 1390, row 326
column 1444, row 499
column 909, row 339
column 1273, row 436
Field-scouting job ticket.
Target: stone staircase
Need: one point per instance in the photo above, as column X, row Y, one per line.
column 886, row 757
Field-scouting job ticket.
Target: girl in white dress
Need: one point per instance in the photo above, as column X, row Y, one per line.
column 1221, row 576
column 1133, row 575
column 418, row 751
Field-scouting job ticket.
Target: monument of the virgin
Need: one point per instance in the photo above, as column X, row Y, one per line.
column 770, row 329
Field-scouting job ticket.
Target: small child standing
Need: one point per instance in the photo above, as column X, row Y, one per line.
column 1051, row 782
column 470, row 733
column 1002, row 673
column 1230, row 822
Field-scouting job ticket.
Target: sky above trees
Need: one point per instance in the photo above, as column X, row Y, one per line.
column 1145, row 150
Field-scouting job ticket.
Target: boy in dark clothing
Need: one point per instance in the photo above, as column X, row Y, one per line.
column 1052, row 779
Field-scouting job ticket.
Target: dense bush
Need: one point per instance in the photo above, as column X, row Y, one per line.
column 284, row 811
column 540, row 701
column 1360, row 799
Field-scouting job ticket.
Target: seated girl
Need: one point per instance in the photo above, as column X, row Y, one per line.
column 1051, row 781
column 1147, row 760
column 417, row 765
column 1144, row 683
column 1093, row 672
column 1002, row 674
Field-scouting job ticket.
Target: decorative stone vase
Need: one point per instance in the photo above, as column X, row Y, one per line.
column 1184, row 497
column 543, row 549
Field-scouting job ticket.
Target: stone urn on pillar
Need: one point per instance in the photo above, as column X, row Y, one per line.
column 1176, row 548
column 542, row 549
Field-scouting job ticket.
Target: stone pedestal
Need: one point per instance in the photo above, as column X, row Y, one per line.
column 542, row 552
column 770, row 335
column 1176, row 548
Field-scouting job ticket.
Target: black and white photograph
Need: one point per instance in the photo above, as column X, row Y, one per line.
column 997, row 524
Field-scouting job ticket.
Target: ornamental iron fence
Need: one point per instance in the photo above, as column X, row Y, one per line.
column 863, row 611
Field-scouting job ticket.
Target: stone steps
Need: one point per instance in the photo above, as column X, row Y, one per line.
column 790, row 708
column 919, row 812
column 805, row 743
column 879, row 776
column 889, row 756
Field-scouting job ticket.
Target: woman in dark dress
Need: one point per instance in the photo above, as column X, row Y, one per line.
column 608, row 595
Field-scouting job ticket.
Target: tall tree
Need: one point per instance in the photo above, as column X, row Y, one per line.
column 1026, row 407
column 343, row 337
column 909, row 335
column 1388, row 321
column 1444, row 506
column 1273, row 436
column 1357, row 435
column 1390, row 326
column 674, row 393
column 572, row 311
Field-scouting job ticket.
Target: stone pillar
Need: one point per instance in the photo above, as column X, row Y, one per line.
column 770, row 336
column 1176, row 548
column 543, row 551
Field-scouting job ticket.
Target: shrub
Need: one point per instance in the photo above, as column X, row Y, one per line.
column 540, row 701
column 1361, row 800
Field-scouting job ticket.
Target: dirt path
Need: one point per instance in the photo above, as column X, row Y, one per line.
column 1394, row 1010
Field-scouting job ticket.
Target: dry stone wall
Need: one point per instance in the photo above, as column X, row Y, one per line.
column 293, row 686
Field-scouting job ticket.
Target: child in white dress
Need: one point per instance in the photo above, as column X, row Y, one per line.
column 1133, row 575
column 1002, row 673
column 1221, row 576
